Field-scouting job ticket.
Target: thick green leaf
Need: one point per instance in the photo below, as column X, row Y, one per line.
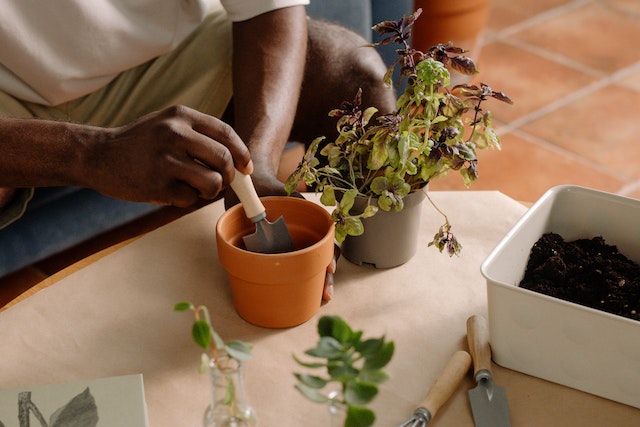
column 342, row 373
column 370, row 346
column 381, row 358
column 359, row 417
column 328, row 348
column 313, row 365
column 373, row 376
column 312, row 394
column 358, row 394
column 183, row 306
column 201, row 332
column 239, row 350
column 312, row 381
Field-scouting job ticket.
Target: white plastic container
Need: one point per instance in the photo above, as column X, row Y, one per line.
column 556, row 340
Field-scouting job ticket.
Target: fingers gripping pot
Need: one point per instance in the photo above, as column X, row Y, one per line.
column 277, row 290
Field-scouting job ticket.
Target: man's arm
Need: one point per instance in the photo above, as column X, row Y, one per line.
column 269, row 58
column 173, row 156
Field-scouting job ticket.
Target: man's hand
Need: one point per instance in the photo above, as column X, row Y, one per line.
column 174, row 156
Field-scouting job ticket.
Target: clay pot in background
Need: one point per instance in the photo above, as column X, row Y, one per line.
column 277, row 290
column 458, row 21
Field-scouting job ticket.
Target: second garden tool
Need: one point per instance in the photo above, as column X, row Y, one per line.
column 444, row 386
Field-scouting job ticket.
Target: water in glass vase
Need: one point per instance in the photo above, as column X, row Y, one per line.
column 229, row 407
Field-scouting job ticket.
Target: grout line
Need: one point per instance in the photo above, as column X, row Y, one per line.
column 577, row 157
column 580, row 93
column 630, row 188
column 541, row 17
column 558, row 58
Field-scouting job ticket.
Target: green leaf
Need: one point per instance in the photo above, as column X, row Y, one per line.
column 183, row 306
column 312, row 380
column 352, row 226
column 373, row 376
column 328, row 348
column 342, row 373
column 381, row 358
column 313, row 365
column 357, row 393
column 369, row 211
column 328, row 197
column 201, row 332
column 312, row 394
column 368, row 113
column 348, row 198
column 370, row 346
column 341, row 331
column 359, row 417
column 217, row 340
column 239, row 350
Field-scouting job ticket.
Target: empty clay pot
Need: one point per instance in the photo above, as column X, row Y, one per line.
column 277, row 290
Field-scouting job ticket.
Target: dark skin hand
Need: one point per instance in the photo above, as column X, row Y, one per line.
column 171, row 146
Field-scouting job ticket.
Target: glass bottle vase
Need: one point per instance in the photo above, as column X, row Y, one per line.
column 337, row 410
column 228, row 407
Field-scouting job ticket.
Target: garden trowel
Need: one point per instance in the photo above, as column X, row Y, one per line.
column 488, row 401
column 269, row 238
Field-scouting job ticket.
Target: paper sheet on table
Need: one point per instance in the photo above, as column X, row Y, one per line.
column 115, row 317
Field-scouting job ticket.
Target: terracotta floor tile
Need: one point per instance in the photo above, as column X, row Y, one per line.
column 601, row 127
column 531, row 81
column 525, row 169
column 505, row 13
column 596, row 35
column 631, row 80
column 629, row 7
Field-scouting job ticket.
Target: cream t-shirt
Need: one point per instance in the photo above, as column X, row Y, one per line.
column 54, row 51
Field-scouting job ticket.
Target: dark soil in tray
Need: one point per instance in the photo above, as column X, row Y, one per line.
column 584, row 271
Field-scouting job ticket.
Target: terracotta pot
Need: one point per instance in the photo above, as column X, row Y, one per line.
column 277, row 290
column 390, row 238
column 460, row 22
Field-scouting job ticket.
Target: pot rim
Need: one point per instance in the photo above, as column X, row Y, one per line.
column 329, row 234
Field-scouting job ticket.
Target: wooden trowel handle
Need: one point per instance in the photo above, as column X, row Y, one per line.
column 447, row 381
column 246, row 192
column 478, row 338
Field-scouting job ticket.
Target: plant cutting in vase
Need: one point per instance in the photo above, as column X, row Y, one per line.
column 223, row 362
column 353, row 365
column 435, row 129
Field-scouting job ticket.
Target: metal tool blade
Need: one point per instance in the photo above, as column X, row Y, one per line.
column 270, row 238
column 488, row 401
column 489, row 405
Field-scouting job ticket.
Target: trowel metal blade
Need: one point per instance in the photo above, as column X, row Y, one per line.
column 270, row 238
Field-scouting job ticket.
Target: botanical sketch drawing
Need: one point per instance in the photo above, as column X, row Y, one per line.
column 81, row 411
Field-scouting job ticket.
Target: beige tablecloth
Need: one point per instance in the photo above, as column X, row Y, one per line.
column 115, row 317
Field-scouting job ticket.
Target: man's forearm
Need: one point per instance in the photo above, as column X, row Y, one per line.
column 269, row 58
column 39, row 153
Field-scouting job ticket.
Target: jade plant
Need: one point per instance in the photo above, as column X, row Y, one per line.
column 352, row 369
column 384, row 157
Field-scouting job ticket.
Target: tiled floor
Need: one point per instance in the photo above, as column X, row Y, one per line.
column 573, row 69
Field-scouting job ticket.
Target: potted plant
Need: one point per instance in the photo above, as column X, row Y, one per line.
column 383, row 161
column 354, row 368
column 223, row 361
